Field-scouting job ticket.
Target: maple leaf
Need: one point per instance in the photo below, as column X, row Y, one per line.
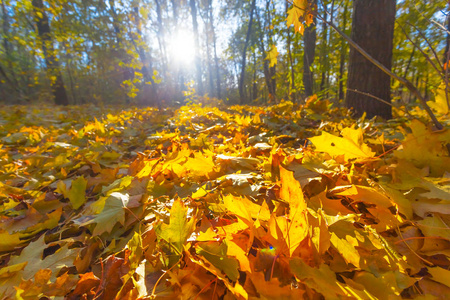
column 291, row 192
column 424, row 147
column 112, row 213
column 216, row 254
column 32, row 256
column 77, row 191
column 351, row 145
column 321, row 279
column 440, row 100
column 294, row 14
column 272, row 55
column 179, row 228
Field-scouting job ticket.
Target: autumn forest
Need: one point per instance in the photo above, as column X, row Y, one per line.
column 224, row 149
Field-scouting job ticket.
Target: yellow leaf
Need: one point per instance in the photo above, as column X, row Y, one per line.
column 272, row 56
column 440, row 275
column 246, row 209
column 292, row 193
column 301, row 4
column 321, row 279
column 295, row 14
column 179, row 228
column 236, row 251
column 440, row 103
column 200, row 165
column 351, row 145
column 424, row 147
column 434, row 226
column 77, row 193
column 347, row 250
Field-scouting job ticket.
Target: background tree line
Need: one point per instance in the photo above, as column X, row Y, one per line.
column 116, row 51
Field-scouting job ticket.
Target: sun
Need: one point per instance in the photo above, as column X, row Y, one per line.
column 182, row 48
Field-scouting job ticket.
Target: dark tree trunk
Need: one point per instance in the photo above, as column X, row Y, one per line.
column 447, row 44
column 198, row 63
column 255, row 86
column 373, row 30
column 216, row 58
column 291, row 60
column 8, row 51
column 323, row 53
column 309, row 39
column 53, row 70
column 244, row 54
column 161, row 35
column 343, row 56
column 150, row 92
column 125, row 72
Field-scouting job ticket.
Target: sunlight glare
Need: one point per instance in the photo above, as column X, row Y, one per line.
column 182, row 48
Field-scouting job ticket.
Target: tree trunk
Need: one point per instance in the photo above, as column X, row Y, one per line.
column 323, row 53
column 123, row 71
column 373, row 30
column 216, row 58
column 343, row 55
column 447, row 40
column 254, row 85
column 244, row 54
column 291, row 60
column 309, row 39
column 8, row 51
column 150, row 92
column 161, row 36
column 53, row 69
column 198, row 63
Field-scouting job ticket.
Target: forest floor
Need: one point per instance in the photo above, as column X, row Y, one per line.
column 277, row 202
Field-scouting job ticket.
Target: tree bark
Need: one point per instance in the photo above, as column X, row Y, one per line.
column 149, row 92
column 8, row 51
column 373, row 30
column 161, row 35
column 343, row 55
column 447, row 40
column 53, row 69
column 309, row 39
column 214, row 40
column 198, row 63
column 216, row 58
column 242, row 96
column 291, row 60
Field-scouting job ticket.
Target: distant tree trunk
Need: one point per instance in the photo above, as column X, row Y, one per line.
column 209, row 37
column 291, row 60
column 8, row 51
column 373, row 30
column 447, row 42
column 216, row 58
column 198, row 63
column 53, row 69
column 343, row 55
column 272, row 70
column 323, row 53
column 309, row 39
column 269, row 72
column 178, row 71
column 242, row 96
column 210, row 68
column 149, row 91
column 161, row 35
column 254, row 85
column 125, row 72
